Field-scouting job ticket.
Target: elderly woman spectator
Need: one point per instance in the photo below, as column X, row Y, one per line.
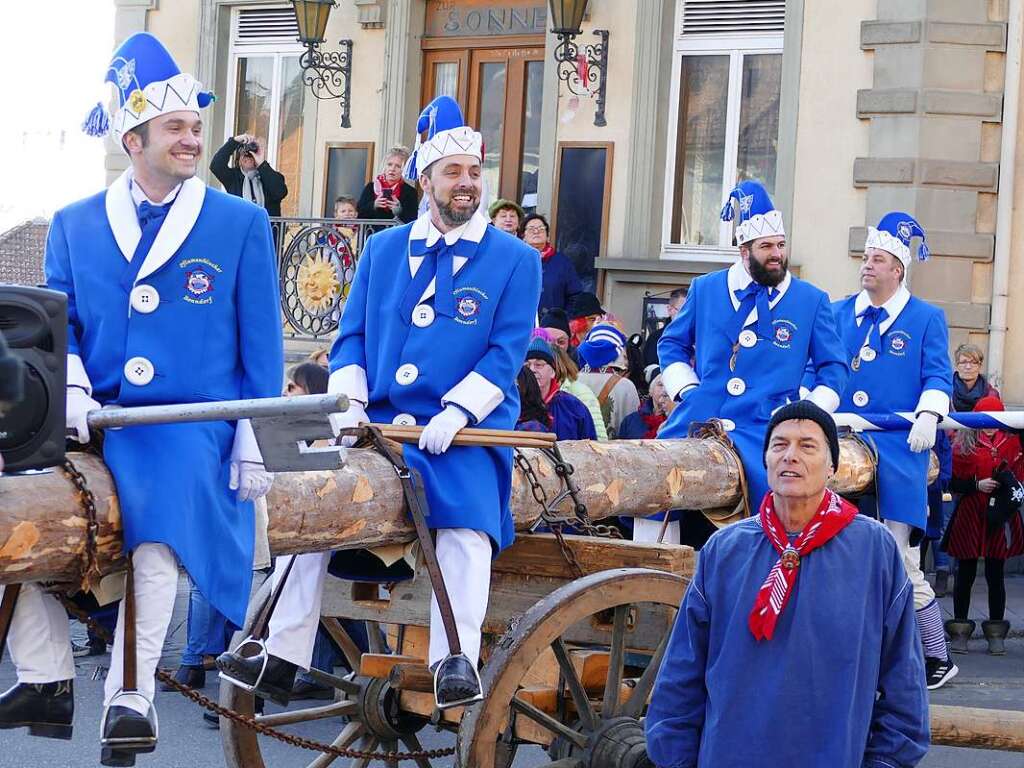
column 559, row 282
column 969, row 385
column 506, row 215
column 388, row 196
column 242, row 169
column 569, row 418
column 644, row 423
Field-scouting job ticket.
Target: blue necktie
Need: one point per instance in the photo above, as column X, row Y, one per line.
column 872, row 316
column 437, row 263
column 753, row 296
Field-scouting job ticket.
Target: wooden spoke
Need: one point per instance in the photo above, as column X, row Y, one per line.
column 366, row 744
column 412, row 744
column 390, row 746
column 557, row 727
column 635, row 706
column 349, row 733
column 615, row 662
column 334, row 681
column 347, row 645
column 373, row 637
column 292, row 716
column 572, row 680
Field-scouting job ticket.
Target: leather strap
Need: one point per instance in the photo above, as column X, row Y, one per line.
column 7, row 606
column 130, row 682
column 608, row 387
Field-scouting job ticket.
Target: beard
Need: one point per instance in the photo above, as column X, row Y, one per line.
column 763, row 276
column 452, row 215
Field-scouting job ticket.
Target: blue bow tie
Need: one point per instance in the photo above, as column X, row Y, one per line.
column 150, row 215
column 437, row 263
column 753, row 296
column 872, row 316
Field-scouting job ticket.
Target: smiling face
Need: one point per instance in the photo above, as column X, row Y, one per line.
column 880, row 273
column 169, row 152
column 766, row 259
column 798, row 459
column 453, row 186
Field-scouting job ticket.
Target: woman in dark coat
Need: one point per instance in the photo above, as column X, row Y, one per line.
column 559, row 283
column 969, row 385
column 388, row 196
column 246, row 173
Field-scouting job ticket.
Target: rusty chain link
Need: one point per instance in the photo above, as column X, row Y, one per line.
column 90, row 565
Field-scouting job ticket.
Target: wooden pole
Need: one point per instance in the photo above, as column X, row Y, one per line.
column 977, row 728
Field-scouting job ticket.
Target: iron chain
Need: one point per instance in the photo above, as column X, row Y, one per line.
column 91, row 568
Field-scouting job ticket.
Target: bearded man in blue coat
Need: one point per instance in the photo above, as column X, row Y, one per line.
column 738, row 347
column 898, row 347
column 435, row 329
column 172, row 298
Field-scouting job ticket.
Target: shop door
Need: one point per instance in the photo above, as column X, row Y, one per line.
column 500, row 91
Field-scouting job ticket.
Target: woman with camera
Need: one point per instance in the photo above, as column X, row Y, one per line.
column 241, row 167
column 388, row 196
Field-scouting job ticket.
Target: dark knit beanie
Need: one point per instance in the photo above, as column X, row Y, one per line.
column 556, row 318
column 805, row 409
column 11, row 375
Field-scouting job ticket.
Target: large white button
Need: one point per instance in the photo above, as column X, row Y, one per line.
column 860, row 398
column 736, row 386
column 422, row 315
column 404, row 420
column 748, row 339
column 728, row 425
column 867, row 354
column 145, row 299
column 407, row 374
column 138, row 371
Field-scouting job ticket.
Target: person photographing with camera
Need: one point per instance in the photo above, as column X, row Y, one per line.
column 241, row 167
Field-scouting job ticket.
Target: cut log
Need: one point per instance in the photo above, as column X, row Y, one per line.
column 43, row 528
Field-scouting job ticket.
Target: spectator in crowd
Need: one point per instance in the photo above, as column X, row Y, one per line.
column 533, row 413
column 207, row 634
column 506, row 215
column 568, row 373
column 969, row 385
column 388, row 196
column 242, row 169
column 743, row 681
column 319, row 356
column 560, row 284
column 675, row 302
column 586, row 310
column 569, row 418
column 345, row 208
column 605, row 370
column 556, row 323
column 643, row 424
column 937, row 514
column 987, row 470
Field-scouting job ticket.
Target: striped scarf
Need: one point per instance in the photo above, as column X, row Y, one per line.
column 832, row 516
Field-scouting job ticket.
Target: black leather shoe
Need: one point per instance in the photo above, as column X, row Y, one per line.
column 126, row 733
column 211, row 720
column 193, row 677
column 46, row 709
column 304, row 689
column 456, row 682
column 263, row 674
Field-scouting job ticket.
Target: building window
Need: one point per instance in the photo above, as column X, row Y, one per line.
column 267, row 95
column 725, row 93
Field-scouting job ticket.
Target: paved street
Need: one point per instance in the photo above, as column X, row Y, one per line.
column 984, row 681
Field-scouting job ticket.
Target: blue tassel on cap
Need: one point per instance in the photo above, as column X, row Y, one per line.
column 923, row 252
column 97, row 123
column 727, row 211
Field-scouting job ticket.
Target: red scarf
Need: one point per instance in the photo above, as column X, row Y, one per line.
column 652, row 422
column 832, row 516
column 380, row 184
column 552, row 391
column 547, row 252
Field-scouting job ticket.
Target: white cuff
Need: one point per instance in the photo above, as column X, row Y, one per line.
column 77, row 375
column 351, row 381
column 933, row 400
column 824, row 397
column 245, row 447
column 676, row 377
column 476, row 395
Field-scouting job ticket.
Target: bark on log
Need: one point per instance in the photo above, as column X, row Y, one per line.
column 977, row 728
column 43, row 527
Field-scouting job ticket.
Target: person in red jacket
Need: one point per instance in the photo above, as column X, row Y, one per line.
column 988, row 465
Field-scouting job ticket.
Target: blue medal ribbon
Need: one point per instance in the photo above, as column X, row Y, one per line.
column 872, row 317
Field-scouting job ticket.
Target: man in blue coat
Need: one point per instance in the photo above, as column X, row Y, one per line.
column 435, row 329
column 738, row 347
column 172, row 298
column 898, row 347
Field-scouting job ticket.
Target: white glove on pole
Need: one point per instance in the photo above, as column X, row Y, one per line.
column 248, row 475
column 437, row 436
column 79, row 405
column 922, row 434
column 353, row 417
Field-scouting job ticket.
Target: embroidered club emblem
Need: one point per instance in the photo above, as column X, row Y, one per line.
column 790, row 558
column 783, row 335
column 198, row 282
column 904, row 230
column 125, row 74
column 1017, row 494
column 468, row 306
column 898, row 344
column 745, row 202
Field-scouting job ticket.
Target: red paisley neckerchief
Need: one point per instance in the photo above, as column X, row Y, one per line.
column 381, row 183
column 832, row 516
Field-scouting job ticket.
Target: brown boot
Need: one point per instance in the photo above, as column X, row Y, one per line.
column 995, row 632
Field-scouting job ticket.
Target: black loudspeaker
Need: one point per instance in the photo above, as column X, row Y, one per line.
column 34, row 322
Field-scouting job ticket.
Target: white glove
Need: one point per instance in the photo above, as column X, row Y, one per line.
column 437, row 436
column 250, row 479
column 353, row 417
column 79, row 405
column 922, row 434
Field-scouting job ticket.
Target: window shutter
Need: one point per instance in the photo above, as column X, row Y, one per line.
column 717, row 17
column 266, row 26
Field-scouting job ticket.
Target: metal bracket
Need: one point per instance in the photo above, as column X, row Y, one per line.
column 286, row 443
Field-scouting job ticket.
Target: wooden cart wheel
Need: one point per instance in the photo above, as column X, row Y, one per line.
column 374, row 721
column 596, row 728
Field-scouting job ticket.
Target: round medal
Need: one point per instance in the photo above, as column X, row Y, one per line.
column 790, row 558
column 867, row 354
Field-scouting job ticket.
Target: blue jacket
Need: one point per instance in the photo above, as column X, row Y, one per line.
column 560, row 284
column 191, row 316
column 570, row 418
column 409, row 368
column 841, row 683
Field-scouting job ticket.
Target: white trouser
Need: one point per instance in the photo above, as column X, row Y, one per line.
column 649, row 530
column 156, row 584
column 39, row 639
column 465, row 559
column 923, row 593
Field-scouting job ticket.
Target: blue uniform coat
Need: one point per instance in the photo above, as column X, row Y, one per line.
column 407, row 369
column 191, row 316
column 909, row 372
column 807, row 697
column 697, row 348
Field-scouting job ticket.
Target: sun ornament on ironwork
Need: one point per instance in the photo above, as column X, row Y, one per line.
column 317, row 270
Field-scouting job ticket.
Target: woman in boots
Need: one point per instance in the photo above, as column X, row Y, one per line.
column 987, row 465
